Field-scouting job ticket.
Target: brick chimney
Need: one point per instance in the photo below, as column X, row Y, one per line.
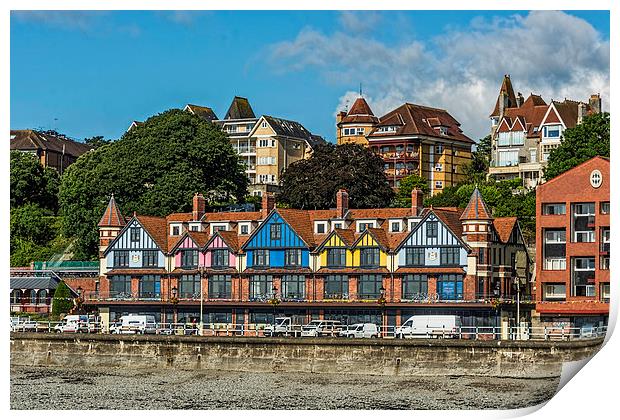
column 417, row 201
column 198, row 206
column 595, row 103
column 268, row 204
column 342, row 202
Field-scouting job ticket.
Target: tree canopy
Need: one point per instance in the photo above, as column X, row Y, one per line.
column 32, row 183
column 313, row 183
column 154, row 169
column 479, row 167
column 505, row 198
column 407, row 184
column 62, row 302
column 580, row 143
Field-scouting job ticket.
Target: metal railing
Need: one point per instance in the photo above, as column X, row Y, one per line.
column 261, row 329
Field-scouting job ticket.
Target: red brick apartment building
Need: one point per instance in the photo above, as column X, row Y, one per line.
column 572, row 246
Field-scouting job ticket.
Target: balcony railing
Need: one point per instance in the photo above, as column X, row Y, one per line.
column 399, row 155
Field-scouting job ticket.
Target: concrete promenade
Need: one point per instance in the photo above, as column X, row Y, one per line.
column 413, row 357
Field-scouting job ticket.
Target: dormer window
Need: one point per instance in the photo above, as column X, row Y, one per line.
column 320, row 227
column 362, row 226
column 176, row 230
column 215, row 228
column 443, row 131
column 395, row 226
column 244, row 228
column 337, row 225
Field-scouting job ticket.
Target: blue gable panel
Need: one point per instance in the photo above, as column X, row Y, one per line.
column 249, row 259
column 305, row 258
column 262, row 237
column 276, row 258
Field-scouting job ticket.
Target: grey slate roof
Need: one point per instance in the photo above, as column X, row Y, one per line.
column 44, row 282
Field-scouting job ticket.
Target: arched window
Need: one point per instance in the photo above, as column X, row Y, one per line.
column 33, row 297
column 16, row 296
column 42, row 297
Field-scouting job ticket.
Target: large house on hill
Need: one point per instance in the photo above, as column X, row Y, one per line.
column 330, row 264
column 265, row 144
column 411, row 139
column 53, row 150
column 523, row 132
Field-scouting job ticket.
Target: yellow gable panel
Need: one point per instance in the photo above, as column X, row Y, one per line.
column 335, row 241
column 367, row 240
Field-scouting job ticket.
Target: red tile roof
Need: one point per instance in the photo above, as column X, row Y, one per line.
column 33, row 140
column 112, row 217
column 412, row 119
column 230, row 238
column 360, row 112
column 299, row 221
column 231, row 216
column 429, row 270
column 157, row 228
column 504, row 227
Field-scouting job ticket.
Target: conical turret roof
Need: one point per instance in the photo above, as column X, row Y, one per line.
column 476, row 208
column 112, row 216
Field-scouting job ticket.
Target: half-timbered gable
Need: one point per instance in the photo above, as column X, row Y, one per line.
column 370, row 249
column 221, row 251
column 187, row 253
column 432, row 243
column 136, row 246
column 335, row 251
column 275, row 243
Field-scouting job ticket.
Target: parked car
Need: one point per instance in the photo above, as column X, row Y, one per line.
column 73, row 324
column 281, row 326
column 360, row 331
column 136, row 324
column 321, row 327
column 428, row 326
column 25, row 326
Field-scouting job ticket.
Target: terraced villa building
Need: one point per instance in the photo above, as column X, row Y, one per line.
column 353, row 265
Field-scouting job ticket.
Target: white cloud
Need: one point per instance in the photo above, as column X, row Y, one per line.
column 359, row 21
column 550, row 53
column 81, row 20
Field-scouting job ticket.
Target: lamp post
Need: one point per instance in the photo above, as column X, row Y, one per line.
column 274, row 302
column 518, row 287
column 382, row 301
column 79, row 299
column 174, row 300
column 202, row 270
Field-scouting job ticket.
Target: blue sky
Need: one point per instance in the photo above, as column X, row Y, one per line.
column 92, row 73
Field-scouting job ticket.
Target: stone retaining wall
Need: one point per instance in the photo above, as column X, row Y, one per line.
column 527, row 359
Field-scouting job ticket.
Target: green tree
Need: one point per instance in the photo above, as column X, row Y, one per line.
column 62, row 302
column 31, row 183
column 407, row 184
column 154, row 169
column 96, row 141
column 313, row 183
column 580, row 143
column 479, row 167
column 505, row 198
column 32, row 223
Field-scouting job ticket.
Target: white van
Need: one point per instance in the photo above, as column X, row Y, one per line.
column 360, row 331
column 427, row 326
column 321, row 327
column 281, row 326
column 135, row 324
column 73, row 323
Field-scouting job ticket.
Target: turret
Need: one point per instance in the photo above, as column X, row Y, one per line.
column 110, row 225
